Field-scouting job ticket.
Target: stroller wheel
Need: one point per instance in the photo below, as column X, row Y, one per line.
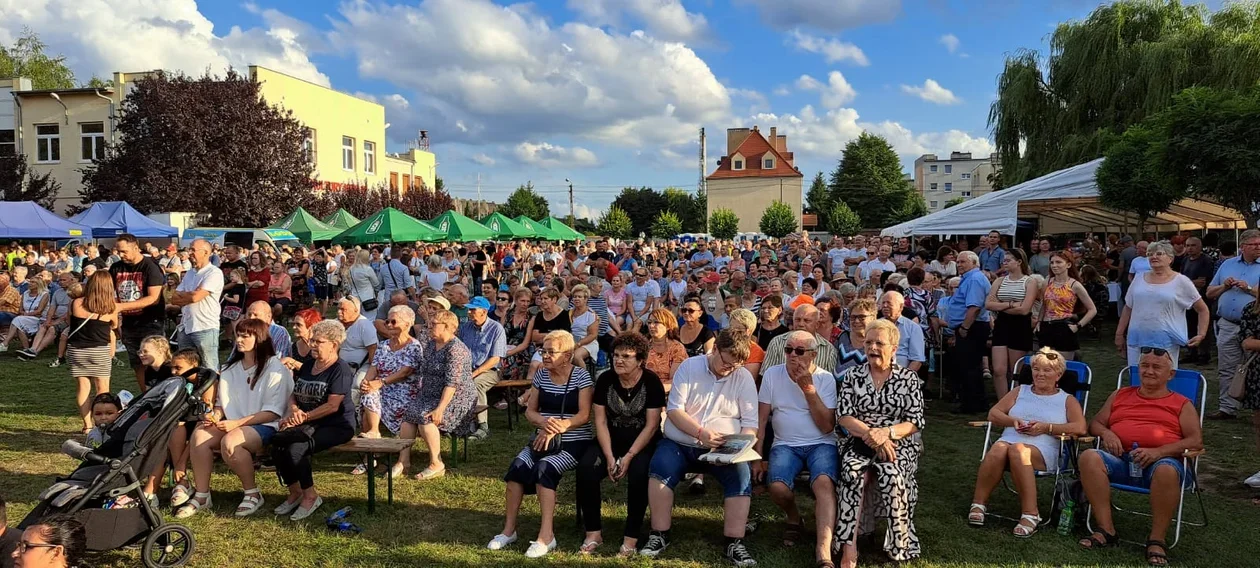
column 168, row 546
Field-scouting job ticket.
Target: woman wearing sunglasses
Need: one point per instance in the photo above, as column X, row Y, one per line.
column 55, row 542
column 696, row 337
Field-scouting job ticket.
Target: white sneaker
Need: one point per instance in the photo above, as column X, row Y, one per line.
column 501, row 541
column 538, row 550
column 1253, row 481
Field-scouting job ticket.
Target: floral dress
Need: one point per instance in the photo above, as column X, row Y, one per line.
column 450, row 366
column 392, row 400
column 896, row 490
column 301, row 294
column 1250, row 329
column 518, row 364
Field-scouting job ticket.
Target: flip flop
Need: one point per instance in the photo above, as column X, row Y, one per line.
column 791, row 534
column 590, row 546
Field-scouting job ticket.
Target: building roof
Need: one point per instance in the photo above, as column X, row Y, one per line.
column 77, row 91
column 752, row 149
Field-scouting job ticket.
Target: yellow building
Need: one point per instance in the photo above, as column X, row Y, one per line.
column 755, row 171
column 61, row 131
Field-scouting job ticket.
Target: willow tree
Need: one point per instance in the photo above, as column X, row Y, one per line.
column 1122, row 64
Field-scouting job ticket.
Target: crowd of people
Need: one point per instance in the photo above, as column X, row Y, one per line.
column 643, row 357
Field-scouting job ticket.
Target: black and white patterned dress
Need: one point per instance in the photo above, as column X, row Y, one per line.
column 896, row 490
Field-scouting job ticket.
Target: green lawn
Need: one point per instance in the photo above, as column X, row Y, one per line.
column 448, row 522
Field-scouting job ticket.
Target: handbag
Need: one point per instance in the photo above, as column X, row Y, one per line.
column 553, row 445
column 1238, row 387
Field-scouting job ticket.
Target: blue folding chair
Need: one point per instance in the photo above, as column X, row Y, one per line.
column 1192, row 385
column 1076, row 381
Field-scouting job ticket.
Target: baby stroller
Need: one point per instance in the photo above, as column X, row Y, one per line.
column 113, row 475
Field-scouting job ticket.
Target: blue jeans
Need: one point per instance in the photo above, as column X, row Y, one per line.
column 6, row 318
column 265, row 432
column 672, row 460
column 205, row 342
column 1118, row 469
column 787, row 461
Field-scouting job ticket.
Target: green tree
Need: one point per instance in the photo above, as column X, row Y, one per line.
column 616, row 224
column 1133, row 179
column 525, row 201
column 778, row 220
column 18, row 183
column 26, row 58
column 1123, row 63
column 642, row 205
column 912, row 206
column 689, row 207
column 954, row 201
column 1212, row 147
column 869, row 180
column 723, row 224
column 666, row 225
column 842, row 221
column 818, row 197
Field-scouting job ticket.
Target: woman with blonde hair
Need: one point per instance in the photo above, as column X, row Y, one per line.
column 446, row 397
column 90, row 344
column 155, row 357
column 34, row 304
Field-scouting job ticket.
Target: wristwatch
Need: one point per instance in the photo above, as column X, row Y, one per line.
column 892, row 434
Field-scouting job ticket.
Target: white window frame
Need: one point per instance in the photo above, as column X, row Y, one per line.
column 767, row 164
column 48, row 144
column 308, row 146
column 932, row 186
column 369, row 157
column 9, row 148
column 737, row 164
column 965, row 176
column 932, row 168
column 347, row 153
column 949, row 168
column 949, row 187
column 96, row 141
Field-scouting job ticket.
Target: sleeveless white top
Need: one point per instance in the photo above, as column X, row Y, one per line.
column 1030, row 406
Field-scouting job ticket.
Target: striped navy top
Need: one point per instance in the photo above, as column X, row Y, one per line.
column 554, row 403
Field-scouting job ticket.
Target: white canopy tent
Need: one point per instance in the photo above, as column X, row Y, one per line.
column 1065, row 201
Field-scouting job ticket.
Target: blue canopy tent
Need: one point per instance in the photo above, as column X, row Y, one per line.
column 27, row 220
column 109, row 219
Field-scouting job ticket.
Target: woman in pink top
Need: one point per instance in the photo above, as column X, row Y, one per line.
column 1150, row 428
column 280, row 288
column 617, row 302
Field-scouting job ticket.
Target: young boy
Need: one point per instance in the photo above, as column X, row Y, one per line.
column 105, row 410
column 184, row 363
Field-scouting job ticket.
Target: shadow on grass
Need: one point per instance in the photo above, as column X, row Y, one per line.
column 35, row 440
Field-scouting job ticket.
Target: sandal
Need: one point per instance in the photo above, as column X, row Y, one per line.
column 791, row 534
column 589, row 547
column 250, row 504
column 397, row 471
column 430, row 473
column 180, row 494
column 359, row 469
column 975, row 517
column 826, row 564
column 1024, row 531
column 1156, row 558
column 627, row 552
column 1093, row 542
column 194, row 505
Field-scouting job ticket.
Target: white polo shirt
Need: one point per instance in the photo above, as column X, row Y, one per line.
column 721, row 405
column 203, row 315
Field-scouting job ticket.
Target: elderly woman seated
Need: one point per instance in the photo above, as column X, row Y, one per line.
column 1033, row 416
column 880, row 405
column 1152, row 427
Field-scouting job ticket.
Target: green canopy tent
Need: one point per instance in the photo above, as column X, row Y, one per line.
column 505, row 228
column 562, row 231
column 388, row 225
column 539, row 230
column 306, row 227
column 342, row 219
column 456, row 227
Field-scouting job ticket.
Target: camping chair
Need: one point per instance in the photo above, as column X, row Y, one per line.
column 1192, row 385
column 1075, row 381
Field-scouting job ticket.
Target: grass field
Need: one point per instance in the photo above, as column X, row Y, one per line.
column 447, row 522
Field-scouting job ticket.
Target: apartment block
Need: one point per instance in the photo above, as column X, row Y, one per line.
column 960, row 176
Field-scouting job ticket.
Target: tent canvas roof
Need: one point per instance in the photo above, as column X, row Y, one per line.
column 27, row 220
column 306, row 227
column 1065, row 201
column 505, row 228
column 388, row 225
column 342, row 219
column 540, row 230
column 109, row 219
column 562, row 231
column 456, row 227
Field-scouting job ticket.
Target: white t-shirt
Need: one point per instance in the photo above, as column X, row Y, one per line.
column 581, row 323
column 1158, row 317
column 203, row 315
column 359, row 337
column 837, row 256
column 270, row 393
column 722, row 406
column 639, row 295
column 789, row 411
column 875, row 264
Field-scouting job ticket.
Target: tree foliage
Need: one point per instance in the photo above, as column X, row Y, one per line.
column 778, row 220
column 1213, row 147
column 912, row 207
column 1122, row 64
column 207, row 145
column 818, row 197
column 723, row 224
column 869, row 180
column 955, row 201
column 1132, row 178
column 362, row 201
column 666, row 225
column 26, row 58
column 642, row 205
column 18, row 183
column 840, row 220
column 690, row 208
column 616, row 224
column 525, row 201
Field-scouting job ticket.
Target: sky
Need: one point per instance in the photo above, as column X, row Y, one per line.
column 606, row 93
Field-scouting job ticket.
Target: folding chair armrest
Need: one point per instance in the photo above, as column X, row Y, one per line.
column 1086, row 439
column 978, row 423
column 1193, row 454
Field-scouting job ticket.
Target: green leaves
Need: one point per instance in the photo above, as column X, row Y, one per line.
column 840, row 220
column 869, row 180
column 616, row 224
column 525, row 201
column 26, row 58
column 778, row 220
column 18, row 183
column 723, row 224
column 644, row 203
column 666, row 225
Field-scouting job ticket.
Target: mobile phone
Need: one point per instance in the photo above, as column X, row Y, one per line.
column 617, row 467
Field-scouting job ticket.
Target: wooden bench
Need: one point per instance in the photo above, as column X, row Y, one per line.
column 514, row 390
column 373, row 447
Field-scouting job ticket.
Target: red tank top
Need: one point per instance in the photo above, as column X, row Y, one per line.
column 1151, row 422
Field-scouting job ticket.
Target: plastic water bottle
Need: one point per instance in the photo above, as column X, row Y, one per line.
column 339, row 515
column 1067, row 516
column 1135, row 470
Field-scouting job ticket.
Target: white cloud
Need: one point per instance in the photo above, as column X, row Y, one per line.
column 103, row 36
column 836, row 93
column 829, row 15
column 757, row 102
column 782, row 91
column 546, row 155
column 823, row 136
column 580, row 211
column 932, row 92
column 832, row 50
column 951, row 42
column 483, row 159
column 666, row 19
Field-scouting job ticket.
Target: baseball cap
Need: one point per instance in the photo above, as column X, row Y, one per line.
column 479, row 303
column 446, row 305
column 712, row 278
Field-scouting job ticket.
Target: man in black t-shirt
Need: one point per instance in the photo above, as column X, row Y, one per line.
column 232, row 261
column 138, row 282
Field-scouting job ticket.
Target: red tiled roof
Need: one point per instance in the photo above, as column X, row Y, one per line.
column 753, row 148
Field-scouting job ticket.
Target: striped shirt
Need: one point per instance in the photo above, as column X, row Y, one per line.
column 1012, row 290
column 561, row 400
column 599, row 305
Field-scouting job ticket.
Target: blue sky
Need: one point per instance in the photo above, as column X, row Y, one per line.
column 607, row 93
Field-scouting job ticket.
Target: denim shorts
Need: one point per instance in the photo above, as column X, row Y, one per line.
column 672, row 460
column 1118, row 470
column 265, row 432
column 787, row 461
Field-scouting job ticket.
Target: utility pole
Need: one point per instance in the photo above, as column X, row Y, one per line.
column 479, row 196
column 570, row 202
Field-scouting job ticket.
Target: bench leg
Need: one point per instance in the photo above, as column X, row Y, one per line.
column 389, row 484
column 465, row 450
column 511, row 402
column 371, row 481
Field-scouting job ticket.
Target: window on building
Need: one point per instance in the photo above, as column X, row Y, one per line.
column 949, row 169
column 966, row 194
column 767, row 164
column 932, row 186
column 932, row 169
column 965, row 176
column 737, row 165
column 347, row 153
column 91, row 141
column 949, row 187
column 932, row 204
column 47, row 143
column 308, row 145
column 8, row 143
column 369, row 157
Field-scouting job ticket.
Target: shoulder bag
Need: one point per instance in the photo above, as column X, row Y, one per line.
column 553, row 445
column 1238, row 388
